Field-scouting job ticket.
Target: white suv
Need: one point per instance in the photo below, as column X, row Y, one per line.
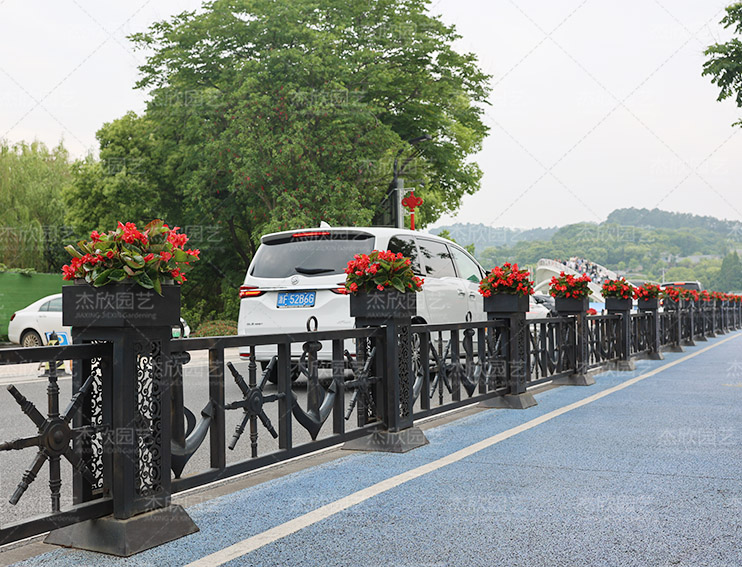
column 299, row 274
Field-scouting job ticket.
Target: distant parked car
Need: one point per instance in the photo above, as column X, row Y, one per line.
column 32, row 325
column 693, row 286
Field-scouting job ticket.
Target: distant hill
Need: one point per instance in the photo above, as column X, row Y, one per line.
column 659, row 244
column 657, row 218
column 483, row 236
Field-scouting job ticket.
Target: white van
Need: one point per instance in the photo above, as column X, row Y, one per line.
column 300, row 274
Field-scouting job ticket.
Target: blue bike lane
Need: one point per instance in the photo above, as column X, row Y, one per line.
column 643, row 468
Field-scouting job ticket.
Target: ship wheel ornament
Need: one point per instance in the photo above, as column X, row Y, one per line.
column 252, row 404
column 53, row 439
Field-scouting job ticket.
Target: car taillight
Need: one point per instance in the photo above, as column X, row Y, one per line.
column 340, row 290
column 310, row 234
column 12, row 316
column 250, row 291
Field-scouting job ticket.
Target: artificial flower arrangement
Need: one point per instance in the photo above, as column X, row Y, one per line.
column 567, row 285
column 719, row 296
column 619, row 288
column 507, row 279
column 705, row 296
column 148, row 258
column 381, row 270
column 647, row 291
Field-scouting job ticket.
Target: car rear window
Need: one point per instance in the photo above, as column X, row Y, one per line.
column 309, row 256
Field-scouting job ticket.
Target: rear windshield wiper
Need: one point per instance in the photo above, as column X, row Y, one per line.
column 313, row 270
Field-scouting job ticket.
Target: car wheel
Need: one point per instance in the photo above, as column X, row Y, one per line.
column 31, row 339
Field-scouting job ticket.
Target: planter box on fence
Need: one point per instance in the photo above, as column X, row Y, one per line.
column 648, row 304
column 120, row 305
column 617, row 304
column 506, row 303
column 571, row 306
column 387, row 304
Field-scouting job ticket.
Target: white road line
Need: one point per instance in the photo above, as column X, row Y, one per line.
column 292, row 526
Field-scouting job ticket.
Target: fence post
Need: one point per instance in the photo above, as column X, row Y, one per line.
column 688, row 307
column 701, row 320
column 512, row 310
column 676, row 323
column 578, row 308
column 622, row 307
column 651, row 308
column 392, row 311
column 137, row 467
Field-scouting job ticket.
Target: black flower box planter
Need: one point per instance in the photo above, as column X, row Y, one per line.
column 648, row 304
column 387, row 304
column 671, row 305
column 617, row 304
column 571, row 306
column 120, row 305
column 506, row 303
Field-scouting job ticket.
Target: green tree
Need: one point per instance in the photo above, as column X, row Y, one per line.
column 31, row 180
column 269, row 115
column 730, row 274
column 724, row 65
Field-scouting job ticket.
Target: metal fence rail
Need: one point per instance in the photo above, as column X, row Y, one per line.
column 59, row 433
column 206, row 409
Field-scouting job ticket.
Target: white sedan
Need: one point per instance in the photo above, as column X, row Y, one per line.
column 33, row 325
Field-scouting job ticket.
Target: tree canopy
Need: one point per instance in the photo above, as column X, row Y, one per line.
column 724, row 65
column 31, row 180
column 266, row 115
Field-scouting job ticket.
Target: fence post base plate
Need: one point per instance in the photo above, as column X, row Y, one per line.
column 389, row 442
column 509, row 401
column 126, row 537
column 575, row 380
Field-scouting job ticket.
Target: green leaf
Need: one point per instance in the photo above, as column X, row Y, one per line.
column 180, row 256
column 157, row 285
column 102, row 278
column 145, row 281
column 117, row 275
column 135, row 262
column 72, row 251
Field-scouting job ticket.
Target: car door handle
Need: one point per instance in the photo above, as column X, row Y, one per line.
column 473, row 295
column 461, row 292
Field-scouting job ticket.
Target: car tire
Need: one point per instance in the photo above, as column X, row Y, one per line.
column 31, row 339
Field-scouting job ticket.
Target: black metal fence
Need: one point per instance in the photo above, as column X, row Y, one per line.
column 259, row 400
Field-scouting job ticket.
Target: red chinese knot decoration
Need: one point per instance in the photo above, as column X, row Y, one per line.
column 411, row 202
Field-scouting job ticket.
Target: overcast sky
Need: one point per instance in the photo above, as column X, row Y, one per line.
column 595, row 105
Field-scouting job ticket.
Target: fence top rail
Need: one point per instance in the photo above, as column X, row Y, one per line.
column 205, row 343
column 559, row 319
column 641, row 315
column 613, row 316
column 22, row 355
column 497, row 323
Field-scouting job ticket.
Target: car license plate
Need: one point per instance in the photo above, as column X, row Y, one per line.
column 296, row 299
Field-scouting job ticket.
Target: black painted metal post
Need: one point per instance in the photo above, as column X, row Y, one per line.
column 655, row 339
column 577, row 308
column 701, row 320
column 622, row 307
column 393, row 311
column 677, row 326
column 688, row 309
column 512, row 310
column 138, row 324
